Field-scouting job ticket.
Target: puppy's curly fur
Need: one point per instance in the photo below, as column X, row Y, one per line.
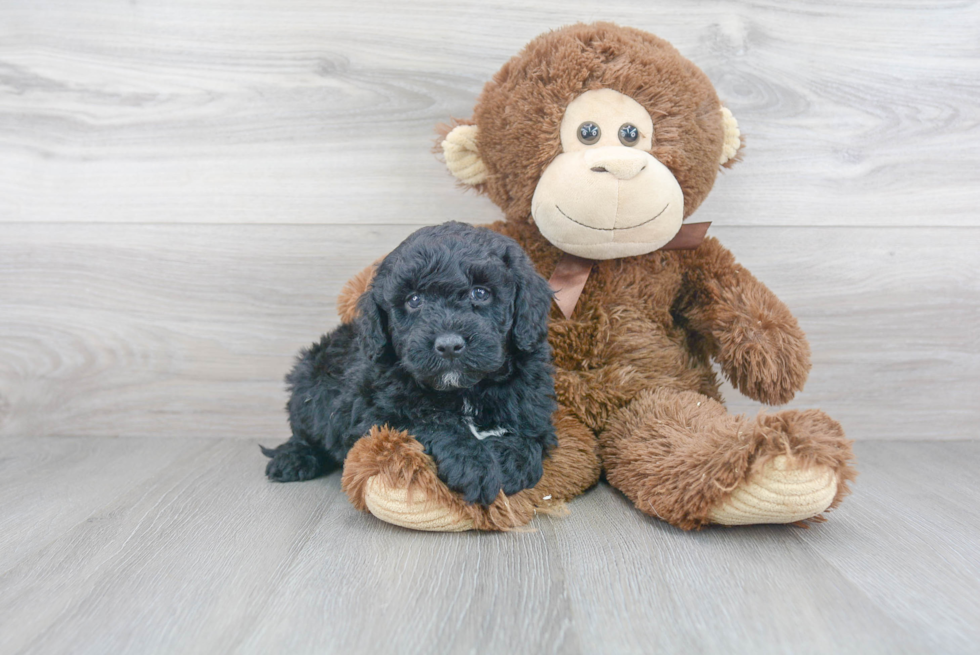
column 451, row 344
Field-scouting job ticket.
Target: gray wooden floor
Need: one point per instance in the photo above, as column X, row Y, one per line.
column 180, row 545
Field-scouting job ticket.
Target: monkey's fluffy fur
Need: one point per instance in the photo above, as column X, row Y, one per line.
column 636, row 390
column 482, row 412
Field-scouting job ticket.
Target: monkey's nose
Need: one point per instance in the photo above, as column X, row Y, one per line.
column 450, row 346
column 624, row 163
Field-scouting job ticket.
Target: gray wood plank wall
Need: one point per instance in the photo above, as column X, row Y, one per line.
column 185, row 186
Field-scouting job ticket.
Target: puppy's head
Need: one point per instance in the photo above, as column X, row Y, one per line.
column 452, row 303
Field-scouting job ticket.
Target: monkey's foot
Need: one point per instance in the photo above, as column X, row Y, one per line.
column 681, row 457
column 388, row 474
column 397, row 506
column 779, row 492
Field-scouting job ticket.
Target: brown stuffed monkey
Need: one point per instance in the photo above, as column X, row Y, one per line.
column 597, row 142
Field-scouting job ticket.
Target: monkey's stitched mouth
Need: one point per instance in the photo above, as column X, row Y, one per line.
column 613, row 229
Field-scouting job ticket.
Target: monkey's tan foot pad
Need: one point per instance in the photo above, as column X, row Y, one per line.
column 779, row 492
column 395, row 505
column 388, row 474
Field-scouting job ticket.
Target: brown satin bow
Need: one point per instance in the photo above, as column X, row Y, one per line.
column 572, row 271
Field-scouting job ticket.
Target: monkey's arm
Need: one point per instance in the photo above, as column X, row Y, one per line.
column 750, row 332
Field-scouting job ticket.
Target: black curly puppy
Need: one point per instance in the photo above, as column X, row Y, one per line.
column 451, row 345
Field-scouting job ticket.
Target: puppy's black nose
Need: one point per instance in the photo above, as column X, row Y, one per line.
column 450, row 346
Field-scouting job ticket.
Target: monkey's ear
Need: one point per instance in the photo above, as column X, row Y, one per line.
column 733, row 139
column 462, row 155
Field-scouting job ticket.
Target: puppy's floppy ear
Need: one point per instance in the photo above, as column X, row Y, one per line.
column 532, row 302
column 372, row 322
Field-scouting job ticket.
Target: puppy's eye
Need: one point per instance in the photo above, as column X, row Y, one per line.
column 589, row 133
column 414, row 301
column 480, row 294
column 628, row 134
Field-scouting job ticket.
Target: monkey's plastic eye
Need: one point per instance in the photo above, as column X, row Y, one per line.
column 628, row 134
column 589, row 133
column 480, row 294
column 414, row 301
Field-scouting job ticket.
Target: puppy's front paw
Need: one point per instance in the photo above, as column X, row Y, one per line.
column 525, row 477
column 474, row 485
column 520, row 464
column 466, row 466
column 292, row 462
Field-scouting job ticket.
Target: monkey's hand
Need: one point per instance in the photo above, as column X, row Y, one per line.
column 748, row 330
column 760, row 345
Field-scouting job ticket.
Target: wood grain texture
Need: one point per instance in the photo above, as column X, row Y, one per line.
column 78, row 474
column 138, row 330
column 116, row 330
column 913, row 529
column 304, row 111
column 205, row 556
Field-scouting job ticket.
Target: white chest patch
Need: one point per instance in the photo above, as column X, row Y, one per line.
column 452, row 379
column 477, row 432
column 483, row 434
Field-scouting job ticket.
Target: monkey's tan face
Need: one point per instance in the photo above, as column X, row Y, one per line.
column 605, row 196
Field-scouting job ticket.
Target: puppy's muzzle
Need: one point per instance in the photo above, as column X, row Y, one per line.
column 450, row 346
